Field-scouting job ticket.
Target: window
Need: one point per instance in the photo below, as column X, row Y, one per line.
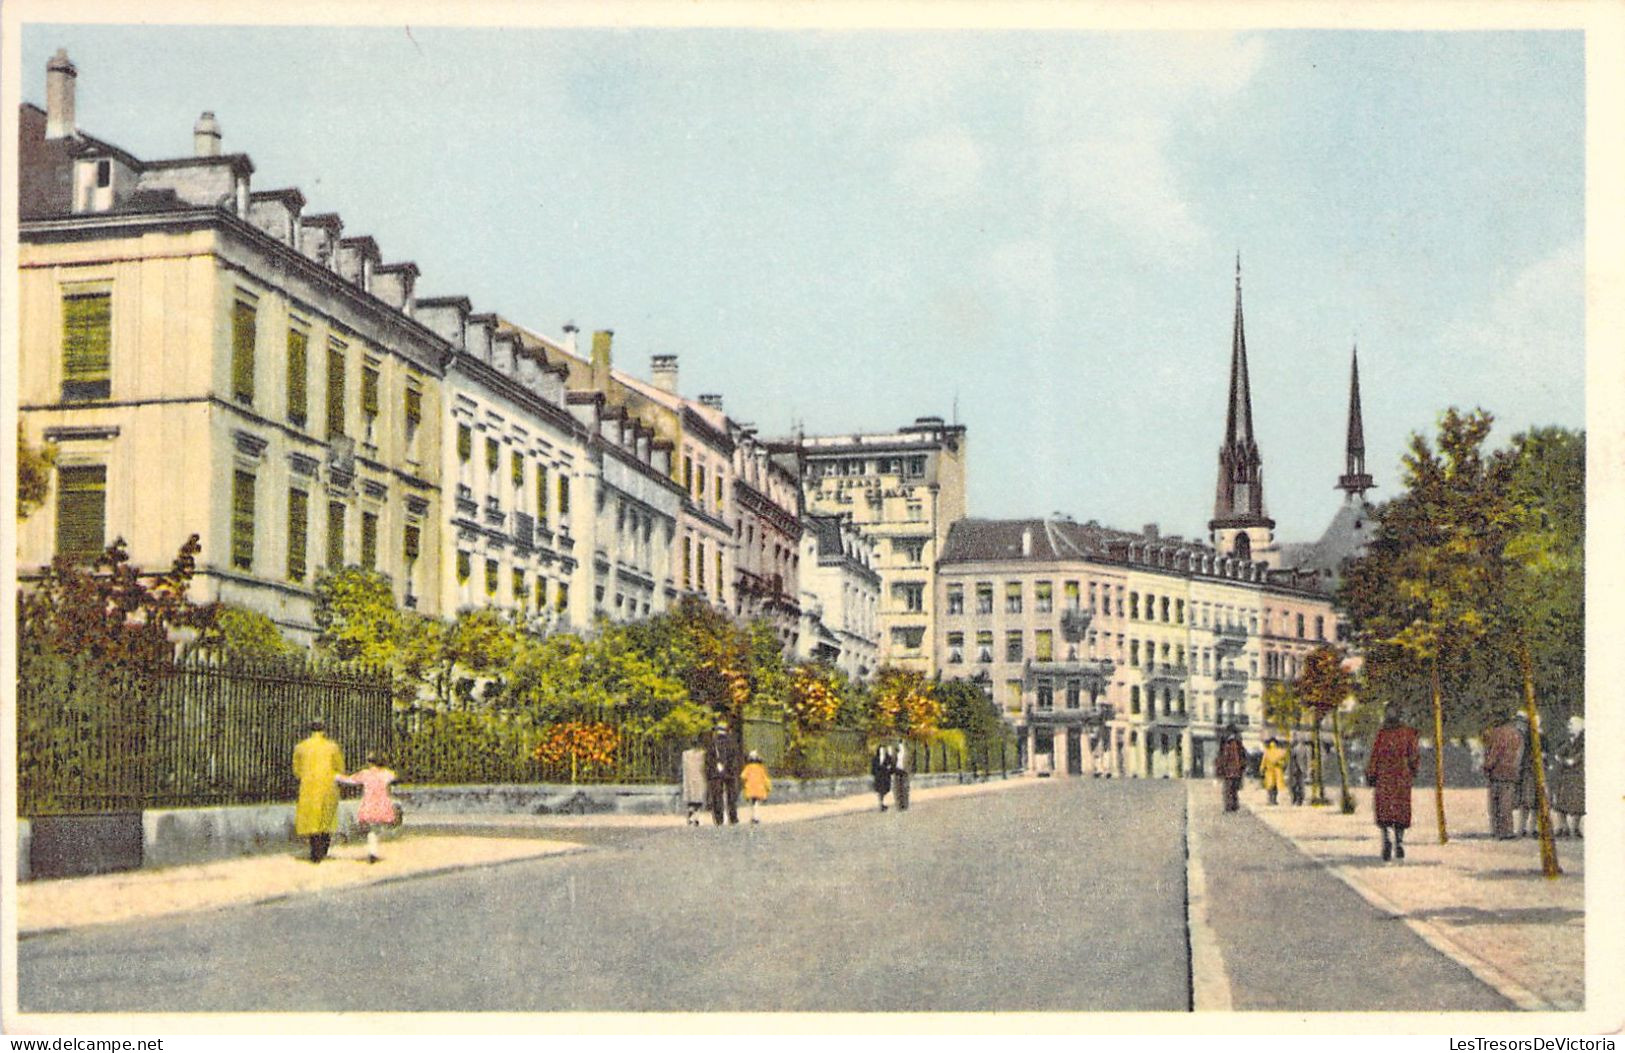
column 1134, row 698
column 298, row 519
column 1092, row 597
column 1044, row 645
column 956, row 599
column 369, row 540
column 410, row 547
column 718, row 488
column 561, row 601
column 1164, row 608
column 1043, row 597
column 699, row 479
column 1012, row 695
column 564, row 496
column 984, row 645
column 1012, row 645
column 984, row 597
column 1073, row 695
column 688, row 561
column 956, row 648
column 335, row 535
column 1134, row 652
column 493, row 456
column 335, row 390
column 911, row 594
column 1012, row 597
column 414, row 418
column 465, row 567
column 1134, row 605
column 1179, row 612
column 699, row 566
column 81, row 511
column 916, row 510
column 242, row 351
column 465, row 443
column 492, row 577
column 298, row 376
column 910, row 549
column 1320, row 627
column 87, row 331
column 1071, row 595
column 916, row 467
column 1300, row 626
column 1046, row 695
column 369, row 400
column 518, row 469
column 720, row 577
column 519, row 586
column 104, row 174
column 541, row 494
column 908, row 637
column 242, row 520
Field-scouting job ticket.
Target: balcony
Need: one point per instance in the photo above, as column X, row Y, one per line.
column 1166, row 672
column 1230, row 640
column 1075, row 622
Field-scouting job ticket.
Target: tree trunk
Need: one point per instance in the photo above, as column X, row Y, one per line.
column 1543, row 813
column 1438, row 749
column 1345, row 802
column 1315, row 777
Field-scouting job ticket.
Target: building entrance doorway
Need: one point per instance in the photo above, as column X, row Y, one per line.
column 1074, row 751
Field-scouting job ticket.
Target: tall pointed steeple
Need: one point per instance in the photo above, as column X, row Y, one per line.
column 1240, row 525
column 1354, row 481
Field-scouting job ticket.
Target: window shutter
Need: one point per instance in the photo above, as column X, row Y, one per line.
column 242, row 520
column 491, row 577
column 414, row 407
column 335, row 392
column 298, row 370
column 369, row 540
column 564, row 495
column 464, row 566
column 541, row 493
column 518, row 586
column 465, row 443
column 335, row 535
column 81, row 511
column 493, row 455
column 242, row 351
column 369, row 391
column 298, row 515
column 518, row 469
column 87, row 345
column 412, row 541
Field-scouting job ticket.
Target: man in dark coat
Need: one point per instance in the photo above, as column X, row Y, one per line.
column 882, row 767
column 1391, row 771
column 1526, row 801
column 1231, row 767
column 722, row 775
column 1503, row 758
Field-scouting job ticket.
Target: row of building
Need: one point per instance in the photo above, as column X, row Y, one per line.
column 211, row 358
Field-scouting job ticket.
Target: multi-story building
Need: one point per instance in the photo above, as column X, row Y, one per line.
column 903, row 490
column 208, row 359
column 768, row 561
column 840, row 596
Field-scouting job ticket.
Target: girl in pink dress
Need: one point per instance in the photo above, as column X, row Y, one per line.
column 377, row 809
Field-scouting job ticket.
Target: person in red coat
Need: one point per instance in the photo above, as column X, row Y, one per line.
column 1390, row 771
column 1231, row 767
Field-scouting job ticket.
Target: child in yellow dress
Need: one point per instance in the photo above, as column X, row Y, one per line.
column 758, row 784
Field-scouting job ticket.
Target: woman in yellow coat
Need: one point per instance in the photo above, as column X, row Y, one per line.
column 317, row 762
column 757, row 783
column 1273, row 768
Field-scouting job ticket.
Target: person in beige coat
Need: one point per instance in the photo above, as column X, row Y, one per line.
column 317, row 763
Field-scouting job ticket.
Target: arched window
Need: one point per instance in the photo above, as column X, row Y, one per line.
column 1244, row 547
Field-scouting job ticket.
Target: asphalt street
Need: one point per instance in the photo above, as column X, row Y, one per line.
column 1060, row 895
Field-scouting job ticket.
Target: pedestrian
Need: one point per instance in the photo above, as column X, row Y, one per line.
column 693, row 782
column 1503, row 752
column 377, row 808
column 1298, row 769
column 1526, row 801
column 902, row 768
column 1231, row 766
column 1391, row 771
column 881, row 770
column 317, row 763
column 1569, row 781
column 722, row 776
column 758, row 784
column 1272, row 766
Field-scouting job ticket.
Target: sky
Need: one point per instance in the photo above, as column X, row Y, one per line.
column 1034, row 232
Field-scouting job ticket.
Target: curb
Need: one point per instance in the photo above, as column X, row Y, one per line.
column 1432, row 934
column 1209, row 977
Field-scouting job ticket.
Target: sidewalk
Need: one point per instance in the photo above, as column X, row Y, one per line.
column 427, row 844
column 1481, row 902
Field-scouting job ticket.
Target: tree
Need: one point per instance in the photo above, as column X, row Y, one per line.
column 358, row 621
column 1323, row 686
column 237, row 632
column 903, row 704
column 33, row 474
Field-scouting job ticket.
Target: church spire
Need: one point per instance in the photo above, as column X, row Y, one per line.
column 1354, row 481
column 1239, row 498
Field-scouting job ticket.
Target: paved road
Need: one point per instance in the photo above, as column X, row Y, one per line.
column 1296, row 938
column 1061, row 895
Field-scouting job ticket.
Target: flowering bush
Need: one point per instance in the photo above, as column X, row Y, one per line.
column 579, row 745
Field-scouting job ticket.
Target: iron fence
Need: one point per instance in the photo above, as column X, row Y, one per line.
column 195, row 732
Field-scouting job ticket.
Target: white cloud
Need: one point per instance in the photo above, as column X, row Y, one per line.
column 1537, row 320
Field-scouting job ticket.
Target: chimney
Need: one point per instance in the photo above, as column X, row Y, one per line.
column 206, row 136
column 663, row 371
column 601, row 358
column 60, row 74
column 570, row 331
column 1152, row 531
column 711, row 401
column 1027, row 541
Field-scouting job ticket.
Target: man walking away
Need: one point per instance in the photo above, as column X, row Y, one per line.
column 902, row 767
column 1391, row 771
column 722, row 776
column 1231, row 767
column 1298, row 769
column 1503, row 753
column 881, row 769
column 317, row 763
